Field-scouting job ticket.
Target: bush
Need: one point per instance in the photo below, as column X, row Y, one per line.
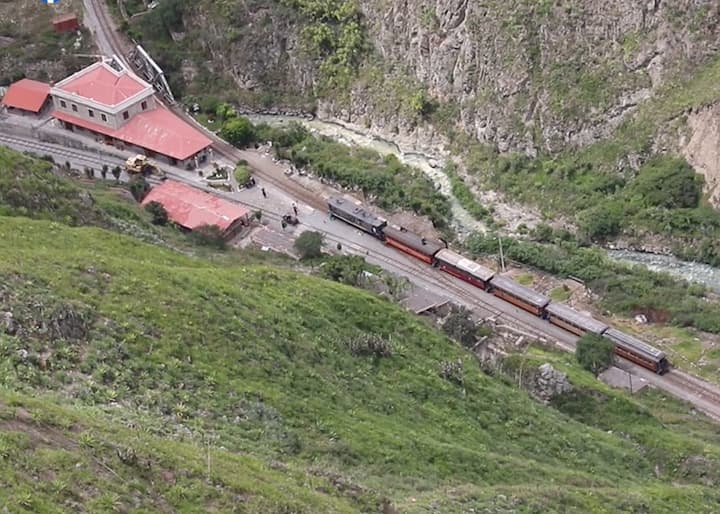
column 392, row 184
column 453, row 371
column 158, row 213
column 594, row 353
column 460, row 326
column 238, row 131
column 139, row 188
column 666, row 182
column 370, row 345
column 242, row 174
column 346, row 269
column 209, row 235
column 309, row 244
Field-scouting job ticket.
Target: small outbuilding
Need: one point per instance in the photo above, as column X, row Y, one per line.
column 27, row 96
column 66, row 23
column 192, row 208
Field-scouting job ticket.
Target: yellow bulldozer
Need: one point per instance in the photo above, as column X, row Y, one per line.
column 141, row 165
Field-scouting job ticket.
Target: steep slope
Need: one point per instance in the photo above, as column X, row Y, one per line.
column 163, row 382
column 526, row 75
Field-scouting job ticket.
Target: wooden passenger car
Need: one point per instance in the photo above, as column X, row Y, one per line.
column 637, row 351
column 522, row 296
column 412, row 243
column 463, row 268
column 571, row 320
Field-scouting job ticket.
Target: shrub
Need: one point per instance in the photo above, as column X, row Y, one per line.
column 309, row 244
column 460, row 326
column 453, row 371
column 346, row 269
column 666, row 182
column 242, row 173
column 139, row 188
column 158, row 213
column 594, row 353
column 238, row 131
column 370, row 345
column 209, row 235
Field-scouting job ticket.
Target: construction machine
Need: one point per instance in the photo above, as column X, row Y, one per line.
column 140, row 164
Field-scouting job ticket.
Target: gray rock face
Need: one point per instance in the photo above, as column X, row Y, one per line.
column 550, row 383
column 519, row 75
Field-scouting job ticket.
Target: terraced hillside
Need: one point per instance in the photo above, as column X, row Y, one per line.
column 134, row 378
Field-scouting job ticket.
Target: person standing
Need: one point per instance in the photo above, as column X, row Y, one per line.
column 264, row 193
column 295, row 209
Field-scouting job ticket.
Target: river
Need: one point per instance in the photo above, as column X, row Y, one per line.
column 463, row 222
column 690, row 271
column 431, row 165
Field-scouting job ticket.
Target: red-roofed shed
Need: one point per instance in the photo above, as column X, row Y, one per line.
column 27, row 96
column 192, row 208
column 66, row 23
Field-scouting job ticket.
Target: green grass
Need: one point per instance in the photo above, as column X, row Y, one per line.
column 560, row 294
column 137, row 378
column 525, row 279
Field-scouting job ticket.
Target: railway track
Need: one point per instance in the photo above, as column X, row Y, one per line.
column 58, row 150
column 697, row 386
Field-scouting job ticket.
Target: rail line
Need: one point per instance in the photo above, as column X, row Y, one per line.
column 48, row 148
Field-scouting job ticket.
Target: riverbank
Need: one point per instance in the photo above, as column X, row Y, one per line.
column 433, row 164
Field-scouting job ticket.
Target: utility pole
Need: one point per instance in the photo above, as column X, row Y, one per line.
column 502, row 257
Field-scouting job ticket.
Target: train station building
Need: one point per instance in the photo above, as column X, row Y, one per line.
column 119, row 108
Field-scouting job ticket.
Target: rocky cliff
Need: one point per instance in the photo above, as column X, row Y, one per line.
column 519, row 74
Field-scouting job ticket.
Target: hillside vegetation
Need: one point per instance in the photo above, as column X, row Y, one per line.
column 135, row 378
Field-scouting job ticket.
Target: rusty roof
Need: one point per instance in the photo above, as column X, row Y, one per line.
column 27, row 94
column 191, row 208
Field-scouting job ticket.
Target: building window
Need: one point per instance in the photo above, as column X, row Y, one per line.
column 125, row 115
column 63, row 104
column 104, row 118
column 74, row 108
column 91, row 113
column 143, row 105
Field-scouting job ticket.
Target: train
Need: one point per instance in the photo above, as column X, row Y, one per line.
column 437, row 254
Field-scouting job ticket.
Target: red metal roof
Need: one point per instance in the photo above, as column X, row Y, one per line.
column 192, row 208
column 64, row 17
column 104, row 85
column 158, row 130
column 27, row 94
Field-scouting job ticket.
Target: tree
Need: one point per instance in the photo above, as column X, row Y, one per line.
column 594, row 353
column 116, row 171
column 346, row 269
column 209, row 235
column 238, row 131
column 158, row 213
column 139, row 187
column 460, row 326
column 667, row 182
column 309, row 244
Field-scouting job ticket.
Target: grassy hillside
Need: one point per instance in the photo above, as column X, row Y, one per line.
column 134, row 378
column 257, row 362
